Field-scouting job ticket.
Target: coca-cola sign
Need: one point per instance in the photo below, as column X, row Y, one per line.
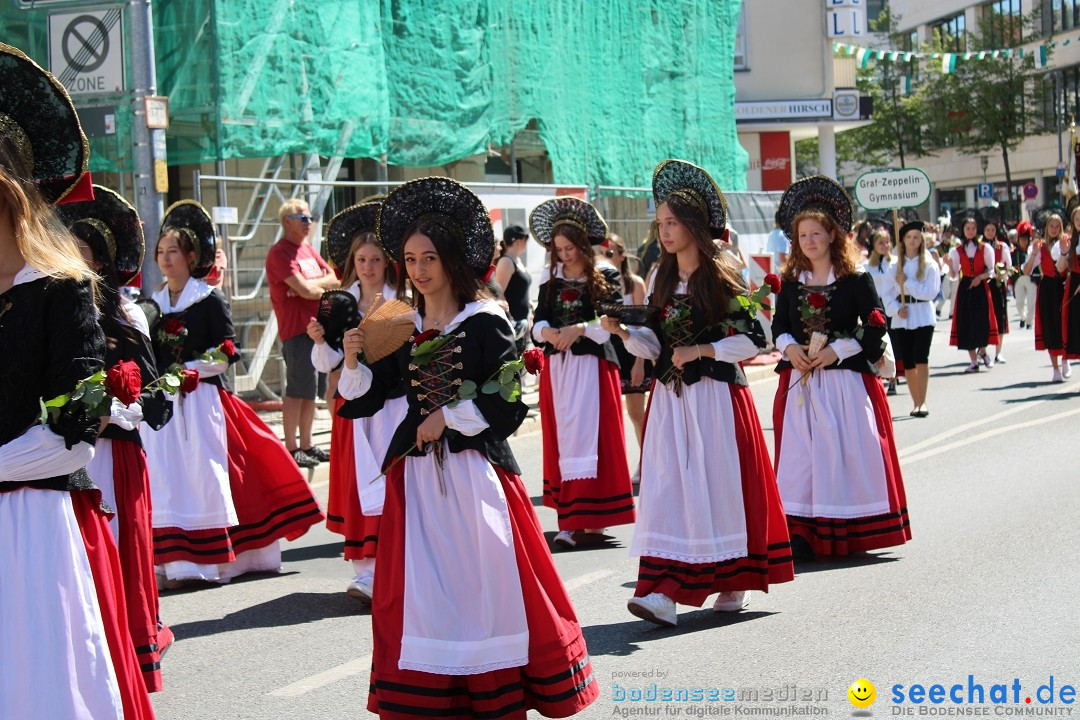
column 775, row 163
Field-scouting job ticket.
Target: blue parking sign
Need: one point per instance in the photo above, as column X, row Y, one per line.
column 986, row 191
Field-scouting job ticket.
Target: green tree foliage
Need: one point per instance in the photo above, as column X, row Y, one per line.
column 988, row 103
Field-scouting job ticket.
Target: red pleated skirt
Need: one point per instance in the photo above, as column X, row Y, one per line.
column 273, row 500
column 105, row 567
column 343, row 511
column 558, row 680
column 768, row 559
column 843, row 536
column 590, row 503
column 135, row 545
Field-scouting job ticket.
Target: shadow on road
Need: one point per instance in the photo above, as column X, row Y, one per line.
column 313, row 552
column 1048, row 396
column 293, row 609
column 612, row 639
column 585, row 542
column 851, row 561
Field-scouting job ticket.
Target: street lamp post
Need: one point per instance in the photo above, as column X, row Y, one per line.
column 984, row 161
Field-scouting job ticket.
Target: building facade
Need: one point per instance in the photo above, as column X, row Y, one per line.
column 958, row 178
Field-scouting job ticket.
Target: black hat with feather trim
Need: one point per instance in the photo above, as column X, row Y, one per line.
column 41, row 139
column 344, row 228
column 447, row 203
column 816, row 193
column 546, row 218
column 112, row 229
column 693, row 184
column 190, row 218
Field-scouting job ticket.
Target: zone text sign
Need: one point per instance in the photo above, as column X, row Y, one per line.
column 86, row 51
column 888, row 189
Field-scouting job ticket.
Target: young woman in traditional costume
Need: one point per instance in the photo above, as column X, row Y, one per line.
column 586, row 477
column 357, row 447
column 490, row 631
column 836, row 462
column 65, row 645
column 225, row 490
column 1048, row 254
column 974, row 324
column 110, row 236
column 908, row 296
column 999, row 291
column 711, row 520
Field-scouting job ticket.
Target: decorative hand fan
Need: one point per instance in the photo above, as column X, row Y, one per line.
column 630, row 314
column 151, row 310
column 337, row 313
column 386, row 327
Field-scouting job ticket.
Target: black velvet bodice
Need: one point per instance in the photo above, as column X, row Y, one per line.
column 49, row 341
column 208, row 323
column 480, row 345
column 562, row 303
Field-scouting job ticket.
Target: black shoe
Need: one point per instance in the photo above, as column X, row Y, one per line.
column 892, row 387
column 801, row 550
column 302, row 459
column 922, row 413
column 318, row 453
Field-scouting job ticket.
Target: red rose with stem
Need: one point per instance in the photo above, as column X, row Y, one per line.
column 569, row 295
column 425, row 336
column 228, row 347
column 773, row 281
column 877, row 320
column 534, row 361
column 189, row 380
column 817, row 300
column 174, row 326
column 124, row 381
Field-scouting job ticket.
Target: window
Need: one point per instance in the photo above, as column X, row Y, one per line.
column 1065, row 14
column 742, row 62
column 873, row 9
column 951, row 33
column 1003, row 23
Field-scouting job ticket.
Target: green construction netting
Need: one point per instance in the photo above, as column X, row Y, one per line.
column 614, row 86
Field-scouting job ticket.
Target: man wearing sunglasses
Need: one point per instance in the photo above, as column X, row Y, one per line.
column 297, row 277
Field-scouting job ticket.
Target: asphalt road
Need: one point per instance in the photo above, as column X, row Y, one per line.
column 987, row 587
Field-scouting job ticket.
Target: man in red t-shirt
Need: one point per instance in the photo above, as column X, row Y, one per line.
column 298, row 277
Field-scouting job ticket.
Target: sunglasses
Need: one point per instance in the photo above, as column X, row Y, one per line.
column 301, row 218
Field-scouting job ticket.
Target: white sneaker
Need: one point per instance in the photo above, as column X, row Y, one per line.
column 999, row 358
column 655, row 607
column 361, row 589
column 1057, row 376
column 972, row 368
column 732, row 601
column 565, row 537
column 1066, row 369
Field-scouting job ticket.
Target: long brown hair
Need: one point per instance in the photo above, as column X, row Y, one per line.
column 348, row 277
column 876, row 257
column 466, row 285
column 40, row 238
column 595, row 282
column 842, row 252
column 716, row 281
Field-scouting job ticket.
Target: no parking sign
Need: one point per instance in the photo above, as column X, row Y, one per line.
column 86, row 51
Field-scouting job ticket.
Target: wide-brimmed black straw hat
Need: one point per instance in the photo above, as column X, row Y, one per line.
column 39, row 126
column 816, row 193
column 695, row 185
column 112, row 229
column 188, row 216
column 549, row 215
column 449, row 204
column 343, row 228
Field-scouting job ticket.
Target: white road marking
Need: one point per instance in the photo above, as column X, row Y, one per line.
column 907, row 459
column 326, row 677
